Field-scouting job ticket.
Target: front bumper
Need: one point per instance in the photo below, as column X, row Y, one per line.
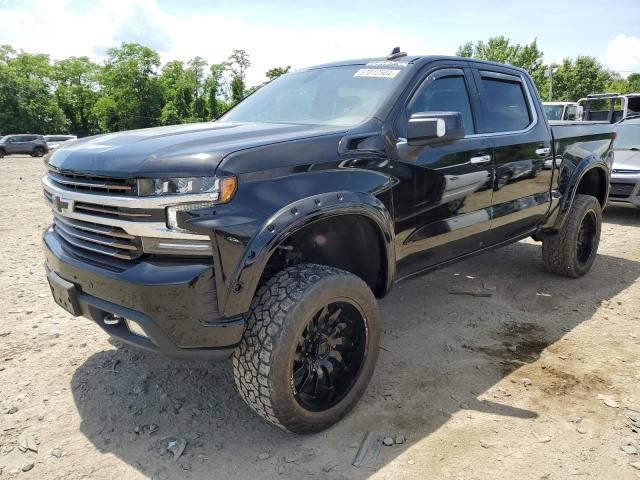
column 173, row 302
column 625, row 188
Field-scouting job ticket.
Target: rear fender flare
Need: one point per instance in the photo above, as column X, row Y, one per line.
column 569, row 187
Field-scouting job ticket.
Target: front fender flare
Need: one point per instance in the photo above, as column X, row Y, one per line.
column 288, row 220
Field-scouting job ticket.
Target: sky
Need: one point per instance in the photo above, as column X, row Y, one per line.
column 301, row 33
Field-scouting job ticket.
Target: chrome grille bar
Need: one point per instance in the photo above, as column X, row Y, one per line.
column 97, row 184
column 108, row 210
column 93, row 227
column 124, row 249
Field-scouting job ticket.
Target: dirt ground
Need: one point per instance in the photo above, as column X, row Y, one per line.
column 499, row 387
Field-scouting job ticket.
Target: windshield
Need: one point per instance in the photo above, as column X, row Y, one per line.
column 4, row 139
column 627, row 136
column 553, row 112
column 342, row 96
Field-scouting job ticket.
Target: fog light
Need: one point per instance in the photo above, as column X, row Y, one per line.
column 135, row 328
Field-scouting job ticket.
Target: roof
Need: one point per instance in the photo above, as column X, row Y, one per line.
column 407, row 59
column 410, row 60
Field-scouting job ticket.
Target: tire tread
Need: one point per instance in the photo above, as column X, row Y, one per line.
column 266, row 321
column 559, row 251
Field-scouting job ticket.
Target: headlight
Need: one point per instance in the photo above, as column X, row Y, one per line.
column 221, row 189
column 172, row 212
column 195, row 192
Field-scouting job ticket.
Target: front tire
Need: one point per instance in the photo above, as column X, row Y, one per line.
column 573, row 250
column 309, row 349
column 2, row 153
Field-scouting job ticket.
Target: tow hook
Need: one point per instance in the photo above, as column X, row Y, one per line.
column 112, row 319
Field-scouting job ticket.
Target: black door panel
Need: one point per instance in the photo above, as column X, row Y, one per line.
column 442, row 202
column 521, row 150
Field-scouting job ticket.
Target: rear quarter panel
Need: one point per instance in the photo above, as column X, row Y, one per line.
column 578, row 147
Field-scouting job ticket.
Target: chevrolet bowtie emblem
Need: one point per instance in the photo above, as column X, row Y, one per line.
column 60, row 204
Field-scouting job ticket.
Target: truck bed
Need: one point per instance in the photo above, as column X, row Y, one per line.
column 565, row 129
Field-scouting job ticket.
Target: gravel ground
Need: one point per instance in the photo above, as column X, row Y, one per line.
column 532, row 382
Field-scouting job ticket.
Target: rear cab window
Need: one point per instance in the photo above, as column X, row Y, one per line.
column 505, row 104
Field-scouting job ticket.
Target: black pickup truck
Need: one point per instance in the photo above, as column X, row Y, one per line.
column 268, row 234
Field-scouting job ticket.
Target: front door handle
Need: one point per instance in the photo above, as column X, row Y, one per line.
column 480, row 160
column 543, row 151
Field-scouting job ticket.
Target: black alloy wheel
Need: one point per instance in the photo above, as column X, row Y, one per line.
column 310, row 347
column 586, row 237
column 572, row 251
column 329, row 355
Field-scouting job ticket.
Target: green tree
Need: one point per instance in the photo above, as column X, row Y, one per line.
column 177, row 91
column 238, row 63
column 130, row 78
column 170, row 114
column 105, row 114
column 633, row 82
column 575, row 79
column 27, row 103
column 77, row 92
column 276, row 72
column 499, row 49
column 214, row 90
column 197, row 72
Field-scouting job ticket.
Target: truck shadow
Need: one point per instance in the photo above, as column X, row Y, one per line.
column 441, row 354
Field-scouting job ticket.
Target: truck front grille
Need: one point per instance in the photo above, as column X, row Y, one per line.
column 96, row 238
column 103, row 221
column 111, row 186
column 621, row 190
column 109, row 211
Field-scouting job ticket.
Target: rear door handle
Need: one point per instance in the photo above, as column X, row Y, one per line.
column 480, row 160
column 543, row 151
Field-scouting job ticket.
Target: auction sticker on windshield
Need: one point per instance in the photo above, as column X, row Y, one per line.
column 376, row 72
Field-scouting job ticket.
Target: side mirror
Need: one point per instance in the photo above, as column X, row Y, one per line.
column 431, row 127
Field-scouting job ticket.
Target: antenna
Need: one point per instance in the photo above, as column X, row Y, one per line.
column 396, row 53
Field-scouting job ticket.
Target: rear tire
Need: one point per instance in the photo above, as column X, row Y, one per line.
column 573, row 250
column 309, row 349
column 37, row 152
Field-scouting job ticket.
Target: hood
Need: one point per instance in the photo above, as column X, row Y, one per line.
column 181, row 150
column 626, row 160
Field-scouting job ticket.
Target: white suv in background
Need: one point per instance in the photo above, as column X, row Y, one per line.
column 54, row 141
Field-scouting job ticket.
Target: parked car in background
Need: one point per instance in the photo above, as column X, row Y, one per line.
column 54, row 141
column 562, row 110
column 625, row 174
column 25, row 144
column 611, row 107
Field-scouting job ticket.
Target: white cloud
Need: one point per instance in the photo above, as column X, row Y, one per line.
column 51, row 26
column 623, row 54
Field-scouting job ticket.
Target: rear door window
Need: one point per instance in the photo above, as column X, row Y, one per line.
column 504, row 103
